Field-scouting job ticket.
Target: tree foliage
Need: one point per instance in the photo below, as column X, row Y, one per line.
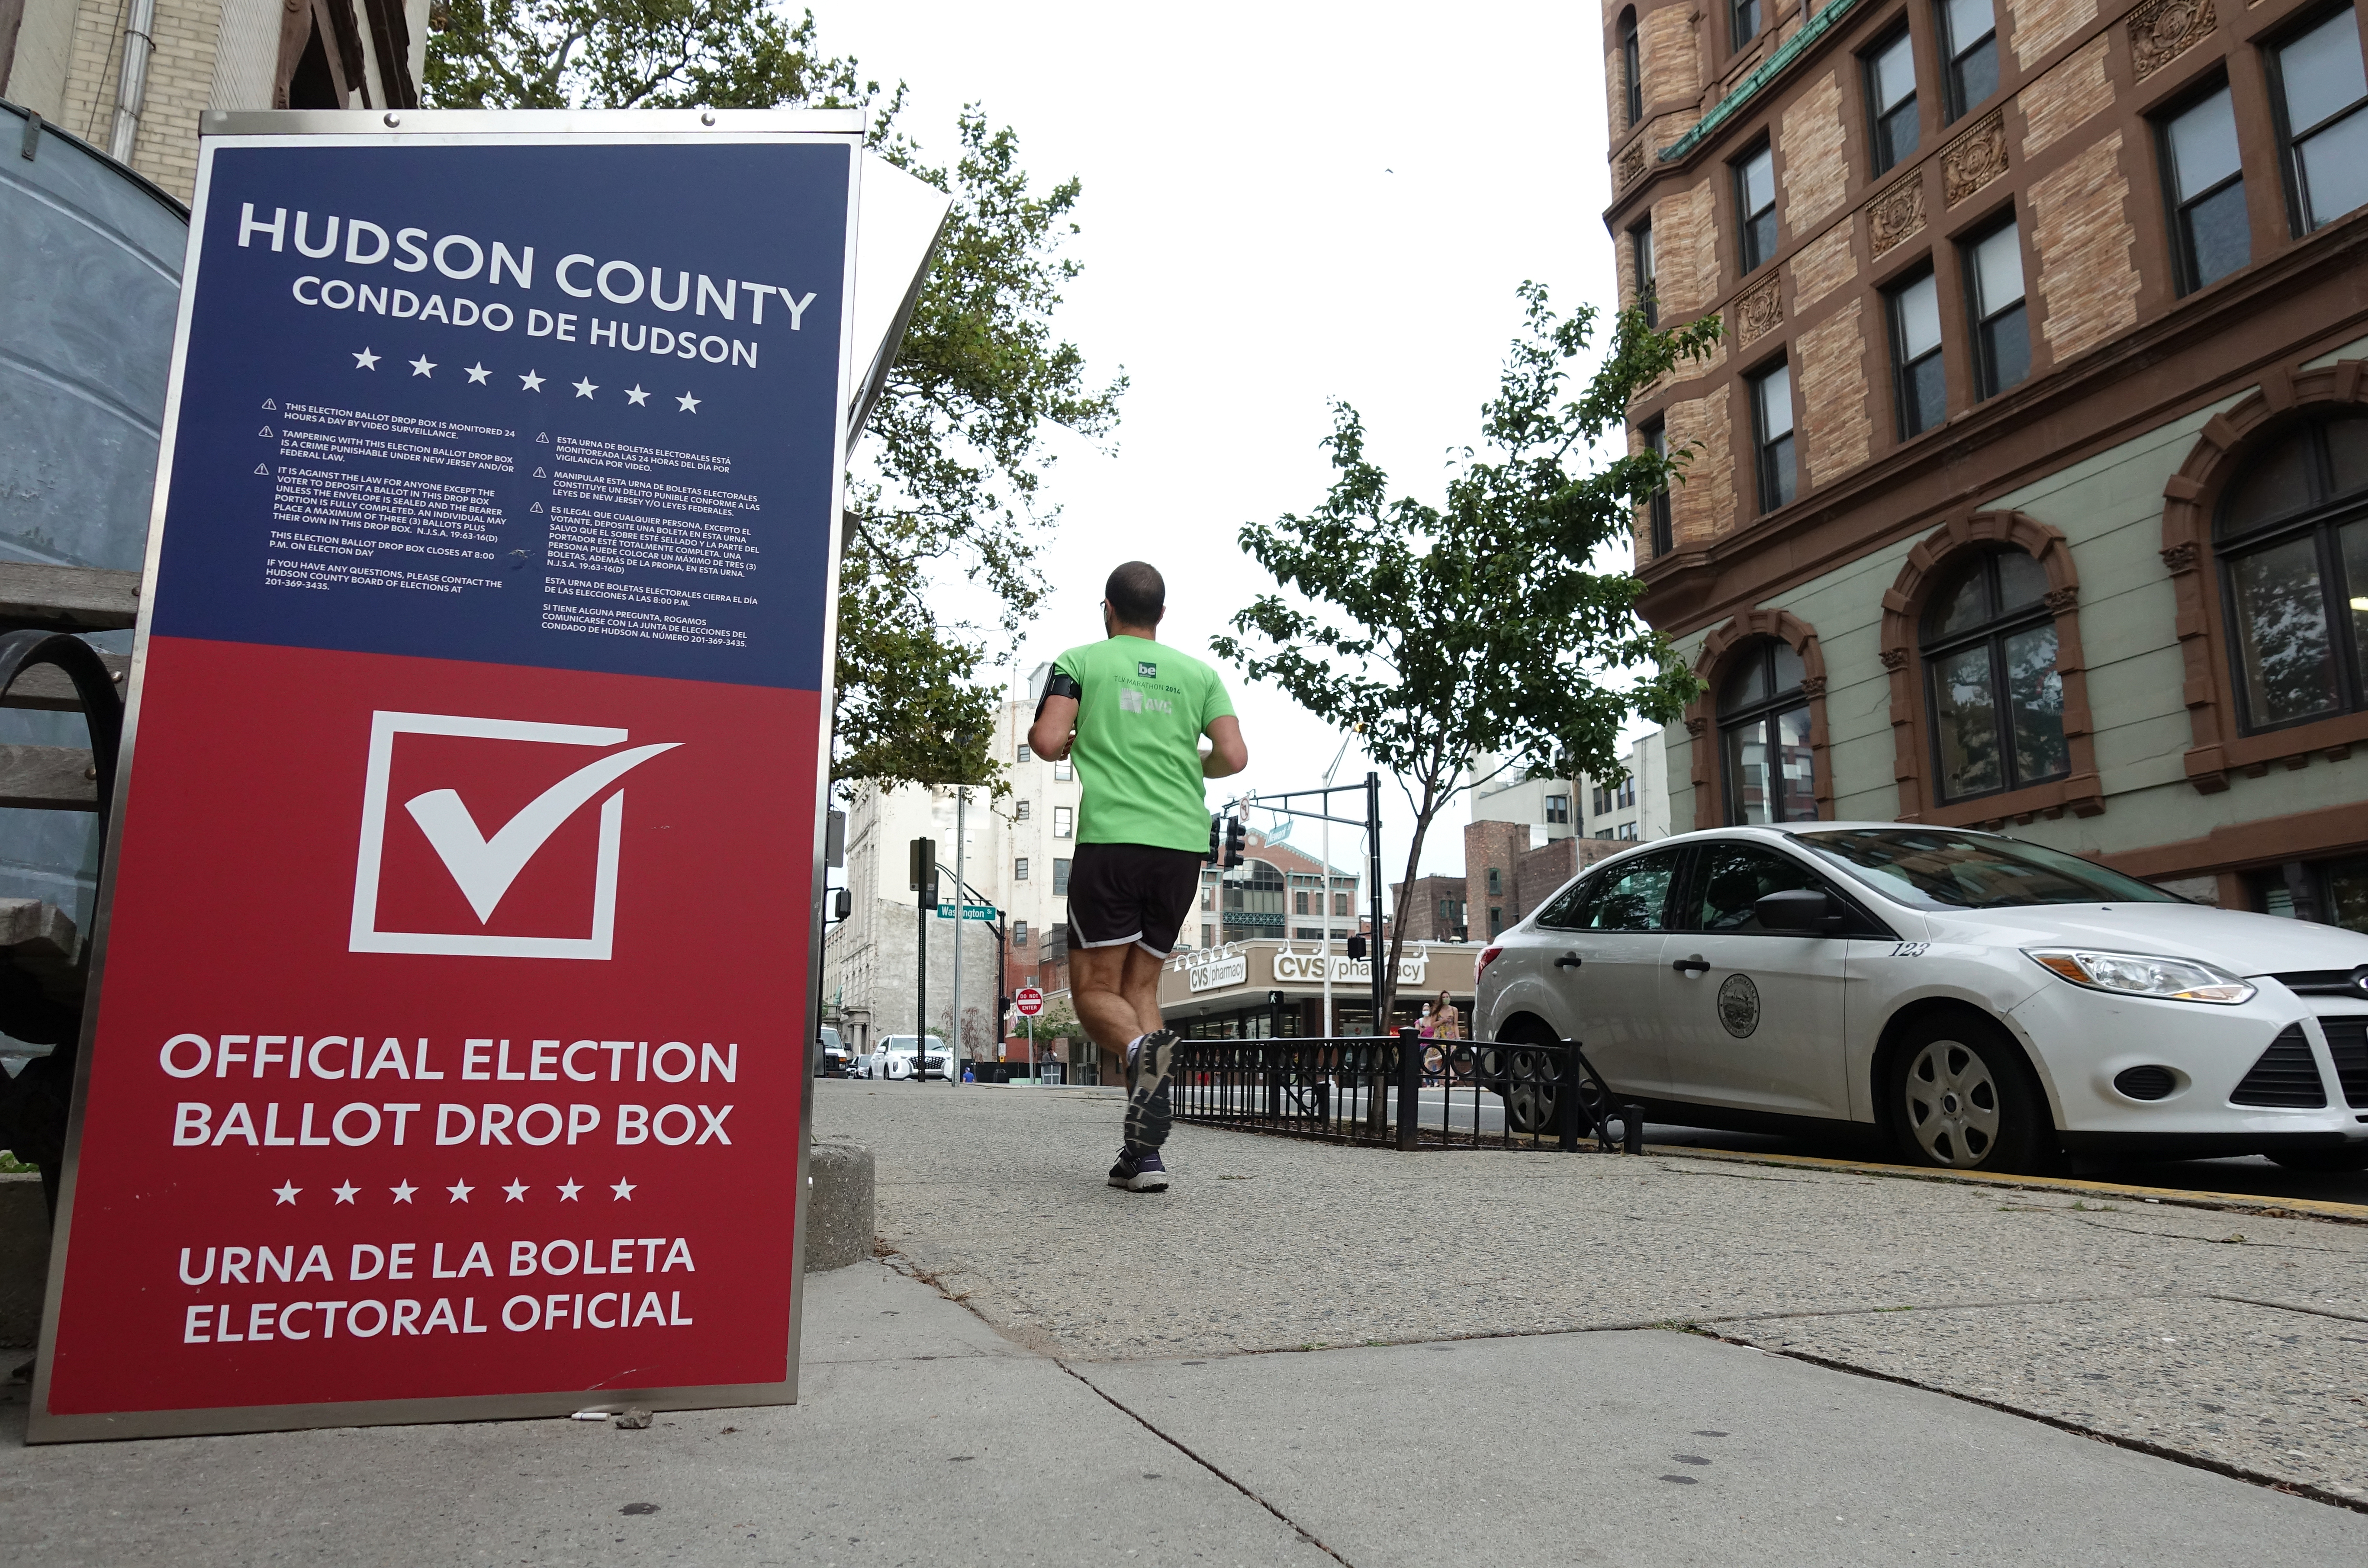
column 1479, row 626
column 948, row 479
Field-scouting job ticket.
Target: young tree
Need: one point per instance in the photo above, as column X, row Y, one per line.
column 949, row 476
column 1479, row 625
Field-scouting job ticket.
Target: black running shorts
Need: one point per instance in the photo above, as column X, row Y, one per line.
column 1131, row 892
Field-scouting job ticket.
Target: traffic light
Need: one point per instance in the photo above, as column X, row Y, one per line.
column 1217, row 839
column 1356, row 948
column 923, row 863
column 1235, row 833
column 842, row 904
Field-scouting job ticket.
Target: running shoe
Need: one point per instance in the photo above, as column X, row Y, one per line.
column 1148, row 1113
column 1139, row 1170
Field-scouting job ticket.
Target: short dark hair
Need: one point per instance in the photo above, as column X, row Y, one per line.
column 1137, row 594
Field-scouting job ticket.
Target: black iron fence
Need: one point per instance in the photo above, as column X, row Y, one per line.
column 1405, row 1093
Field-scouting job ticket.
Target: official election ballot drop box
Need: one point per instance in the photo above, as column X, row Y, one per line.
column 447, row 1054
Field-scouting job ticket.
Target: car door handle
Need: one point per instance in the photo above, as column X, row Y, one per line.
column 1697, row 964
column 1568, row 961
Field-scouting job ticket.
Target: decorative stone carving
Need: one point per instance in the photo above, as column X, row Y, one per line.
column 1696, row 725
column 1632, row 163
column 2059, row 600
column 1759, row 312
column 1893, row 658
column 1896, row 213
column 1813, row 686
column 1975, row 158
column 2162, row 30
column 2180, row 557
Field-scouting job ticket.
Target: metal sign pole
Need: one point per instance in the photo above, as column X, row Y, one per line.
column 1379, row 950
column 961, row 918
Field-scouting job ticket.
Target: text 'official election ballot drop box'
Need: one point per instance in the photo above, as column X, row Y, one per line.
column 448, row 1052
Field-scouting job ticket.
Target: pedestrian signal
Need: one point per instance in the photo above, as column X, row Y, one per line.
column 1234, row 836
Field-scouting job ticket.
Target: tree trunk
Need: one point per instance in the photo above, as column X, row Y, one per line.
column 1427, row 810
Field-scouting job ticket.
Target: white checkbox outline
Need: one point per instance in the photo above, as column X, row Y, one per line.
column 366, row 937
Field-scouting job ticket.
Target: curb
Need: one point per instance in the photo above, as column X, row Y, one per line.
column 2269, row 1207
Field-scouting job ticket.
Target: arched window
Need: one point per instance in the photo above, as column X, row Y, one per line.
column 2291, row 536
column 1631, row 73
column 1763, row 731
column 1990, row 659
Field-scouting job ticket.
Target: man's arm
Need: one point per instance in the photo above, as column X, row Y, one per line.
column 1055, row 726
column 1228, row 753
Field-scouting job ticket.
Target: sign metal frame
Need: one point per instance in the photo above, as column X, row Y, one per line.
column 451, row 128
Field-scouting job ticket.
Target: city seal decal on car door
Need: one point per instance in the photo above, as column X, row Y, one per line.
column 1738, row 1006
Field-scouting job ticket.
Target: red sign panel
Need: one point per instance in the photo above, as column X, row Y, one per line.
column 1027, row 1002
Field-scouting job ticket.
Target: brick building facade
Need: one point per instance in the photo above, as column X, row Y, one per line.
column 65, row 61
column 2029, row 486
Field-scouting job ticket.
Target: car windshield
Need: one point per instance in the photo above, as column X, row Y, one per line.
column 1936, row 869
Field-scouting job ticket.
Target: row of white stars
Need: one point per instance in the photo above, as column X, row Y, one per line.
column 531, row 381
column 459, row 1190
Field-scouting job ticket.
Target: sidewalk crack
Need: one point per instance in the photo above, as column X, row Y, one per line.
column 1137, row 1417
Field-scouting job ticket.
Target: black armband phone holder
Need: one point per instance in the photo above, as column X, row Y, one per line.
column 1062, row 684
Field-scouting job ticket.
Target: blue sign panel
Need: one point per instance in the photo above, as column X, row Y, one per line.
column 572, row 406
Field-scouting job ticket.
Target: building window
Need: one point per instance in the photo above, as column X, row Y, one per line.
column 1018, row 811
column 1063, row 770
column 1657, row 510
column 1025, row 754
column 1060, row 879
column 1208, row 935
column 1763, row 728
column 1019, row 869
column 1496, row 881
column 1743, row 19
column 2001, row 326
column 2320, row 90
column 1299, row 904
column 1602, row 799
column 1755, row 203
column 1969, row 37
column 1626, row 796
column 1891, row 99
column 1648, row 293
column 1918, row 378
column 1340, row 903
column 1989, row 664
column 1020, row 933
column 1604, row 833
column 1062, row 819
column 2292, row 541
column 1496, row 924
column 2205, row 176
column 2333, row 892
column 1771, row 420
column 1628, row 831
column 1557, row 810
column 1632, row 75
column 1208, row 895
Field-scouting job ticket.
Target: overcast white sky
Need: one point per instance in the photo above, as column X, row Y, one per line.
column 1284, row 203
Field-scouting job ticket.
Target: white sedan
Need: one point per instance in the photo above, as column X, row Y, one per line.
column 1982, row 1002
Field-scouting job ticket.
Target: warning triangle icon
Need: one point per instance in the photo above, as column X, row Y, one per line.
column 261, row 468
column 536, row 507
column 540, row 474
column 544, row 438
column 264, row 432
column 270, row 405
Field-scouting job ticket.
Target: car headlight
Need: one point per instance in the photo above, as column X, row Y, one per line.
column 2142, row 974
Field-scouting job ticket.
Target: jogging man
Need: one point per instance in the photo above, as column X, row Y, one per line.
column 1132, row 713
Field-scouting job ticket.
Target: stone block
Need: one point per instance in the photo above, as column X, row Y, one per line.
column 24, row 1259
column 2082, row 234
column 838, row 1204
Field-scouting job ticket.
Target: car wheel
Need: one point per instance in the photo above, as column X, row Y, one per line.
column 1966, row 1099
column 2325, row 1161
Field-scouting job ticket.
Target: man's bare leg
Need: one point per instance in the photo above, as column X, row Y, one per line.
column 1098, row 986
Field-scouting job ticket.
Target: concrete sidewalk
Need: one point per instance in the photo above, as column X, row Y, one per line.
column 925, row 1437
column 2237, row 1340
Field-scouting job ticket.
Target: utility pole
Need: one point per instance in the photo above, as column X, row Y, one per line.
column 924, row 879
column 1379, row 949
column 962, row 894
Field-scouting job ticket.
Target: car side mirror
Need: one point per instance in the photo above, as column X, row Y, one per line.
column 1810, row 910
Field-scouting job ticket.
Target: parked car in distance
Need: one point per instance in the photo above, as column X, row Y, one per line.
column 895, row 1056
column 833, row 1063
column 1979, row 1001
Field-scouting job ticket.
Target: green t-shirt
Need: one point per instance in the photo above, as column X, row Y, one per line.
column 1142, row 707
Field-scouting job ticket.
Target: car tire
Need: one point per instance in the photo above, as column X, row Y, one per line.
column 2324, row 1161
column 1962, row 1098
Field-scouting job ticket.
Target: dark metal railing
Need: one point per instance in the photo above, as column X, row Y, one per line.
column 1402, row 1092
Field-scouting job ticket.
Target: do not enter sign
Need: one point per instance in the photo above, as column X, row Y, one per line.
column 1028, row 1001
